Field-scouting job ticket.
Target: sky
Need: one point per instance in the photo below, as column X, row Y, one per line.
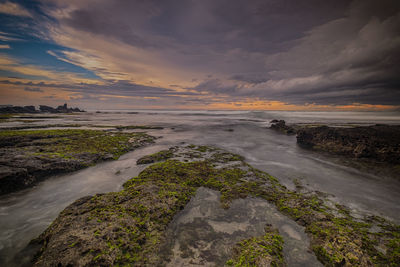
column 201, row 54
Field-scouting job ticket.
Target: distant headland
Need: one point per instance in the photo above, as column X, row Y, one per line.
column 42, row 109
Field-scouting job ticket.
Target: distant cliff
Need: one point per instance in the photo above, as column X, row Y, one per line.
column 42, row 109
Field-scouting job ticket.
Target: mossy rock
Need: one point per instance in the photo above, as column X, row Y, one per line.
column 156, row 157
column 32, row 155
column 127, row 228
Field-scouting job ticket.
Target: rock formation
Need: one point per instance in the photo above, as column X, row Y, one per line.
column 60, row 109
column 379, row 142
column 42, row 109
column 280, row 126
column 128, row 228
column 27, row 157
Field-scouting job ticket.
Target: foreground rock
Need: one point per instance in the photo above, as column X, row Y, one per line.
column 128, row 227
column 30, row 156
column 379, row 142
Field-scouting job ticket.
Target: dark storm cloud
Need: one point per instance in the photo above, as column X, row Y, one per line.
column 335, row 52
column 351, row 59
column 249, row 78
column 255, row 25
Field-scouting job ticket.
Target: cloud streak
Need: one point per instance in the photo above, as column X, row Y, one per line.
column 14, row 9
column 33, row 89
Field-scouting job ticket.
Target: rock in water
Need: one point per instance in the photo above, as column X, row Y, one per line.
column 378, row 142
column 280, row 126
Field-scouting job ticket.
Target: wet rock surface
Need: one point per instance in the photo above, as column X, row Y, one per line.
column 130, row 226
column 205, row 234
column 27, row 157
column 379, row 142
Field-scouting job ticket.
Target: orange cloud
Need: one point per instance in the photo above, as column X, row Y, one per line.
column 278, row 105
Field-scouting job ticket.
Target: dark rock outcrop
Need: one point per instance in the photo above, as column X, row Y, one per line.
column 60, row 109
column 17, row 109
column 63, row 108
column 30, row 109
column 42, row 109
column 379, row 142
column 280, row 126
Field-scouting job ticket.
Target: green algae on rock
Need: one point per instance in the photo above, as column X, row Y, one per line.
column 128, row 227
column 259, row 251
column 29, row 156
column 156, row 157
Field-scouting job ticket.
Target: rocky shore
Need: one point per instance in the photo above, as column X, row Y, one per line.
column 378, row 142
column 128, row 227
column 27, row 157
column 42, row 109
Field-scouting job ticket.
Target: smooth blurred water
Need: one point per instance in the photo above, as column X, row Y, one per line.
column 24, row 215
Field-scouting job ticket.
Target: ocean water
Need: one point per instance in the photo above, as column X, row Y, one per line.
column 364, row 188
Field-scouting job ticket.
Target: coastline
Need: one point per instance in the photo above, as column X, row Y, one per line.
column 174, row 132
